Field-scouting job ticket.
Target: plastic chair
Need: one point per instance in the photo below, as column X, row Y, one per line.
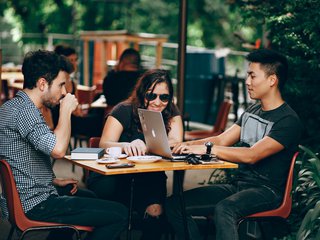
column 283, row 211
column 219, row 126
column 17, row 217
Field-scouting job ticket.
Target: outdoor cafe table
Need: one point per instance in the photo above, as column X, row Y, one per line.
column 162, row 165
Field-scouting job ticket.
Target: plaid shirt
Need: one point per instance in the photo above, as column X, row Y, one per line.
column 26, row 143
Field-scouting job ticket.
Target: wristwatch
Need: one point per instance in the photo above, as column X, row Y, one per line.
column 209, row 146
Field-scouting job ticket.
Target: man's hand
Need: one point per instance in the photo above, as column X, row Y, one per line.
column 64, row 182
column 183, row 149
column 69, row 103
column 180, row 148
column 135, row 148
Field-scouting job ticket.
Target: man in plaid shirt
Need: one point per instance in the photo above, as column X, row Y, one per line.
column 27, row 143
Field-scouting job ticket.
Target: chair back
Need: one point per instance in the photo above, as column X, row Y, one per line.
column 222, row 117
column 17, row 216
column 284, row 209
column 94, row 142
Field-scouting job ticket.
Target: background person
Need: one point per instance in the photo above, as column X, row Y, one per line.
column 86, row 124
column 154, row 91
column 119, row 82
column 70, row 53
column 267, row 135
column 27, row 143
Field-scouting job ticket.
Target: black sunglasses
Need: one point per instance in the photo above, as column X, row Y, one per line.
column 150, row 96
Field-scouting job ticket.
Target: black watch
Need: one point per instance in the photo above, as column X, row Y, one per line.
column 209, row 146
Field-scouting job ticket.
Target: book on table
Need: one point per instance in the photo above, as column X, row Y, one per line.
column 83, row 153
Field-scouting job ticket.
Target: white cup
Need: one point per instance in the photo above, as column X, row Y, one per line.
column 114, row 152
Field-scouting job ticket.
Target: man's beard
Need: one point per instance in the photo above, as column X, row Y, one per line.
column 50, row 104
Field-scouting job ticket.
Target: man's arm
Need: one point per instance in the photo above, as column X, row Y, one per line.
column 227, row 138
column 260, row 150
column 63, row 130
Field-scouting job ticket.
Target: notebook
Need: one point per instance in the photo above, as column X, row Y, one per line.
column 155, row 135
column 83, row 153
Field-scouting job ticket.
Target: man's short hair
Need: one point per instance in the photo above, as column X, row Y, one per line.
column 271, row 62
column 131, row 56
column 43, row 64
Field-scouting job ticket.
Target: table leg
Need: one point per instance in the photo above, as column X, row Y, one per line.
column 129, row 229
column 178, row 177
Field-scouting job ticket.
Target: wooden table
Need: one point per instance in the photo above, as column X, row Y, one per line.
column 162, row 165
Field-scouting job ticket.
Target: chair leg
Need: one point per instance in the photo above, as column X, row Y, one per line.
column 76, row 231
column 129, row 230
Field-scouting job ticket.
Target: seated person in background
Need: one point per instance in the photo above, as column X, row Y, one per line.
column 89, row 124
column 154, row 91
column 71, row 85
column 27, row 143
column 119, row 83
column 267, row 135
column 70, row 53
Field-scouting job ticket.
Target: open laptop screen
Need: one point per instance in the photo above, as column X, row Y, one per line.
column 155, row 134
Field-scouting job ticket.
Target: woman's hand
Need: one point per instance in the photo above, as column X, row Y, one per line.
column 64, row 182
column 135, row 148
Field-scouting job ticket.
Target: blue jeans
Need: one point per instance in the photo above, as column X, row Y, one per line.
column 108, row 218
column 227, row 203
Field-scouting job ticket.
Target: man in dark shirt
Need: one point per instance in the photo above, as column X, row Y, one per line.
column 119, row 83
column 267, row 135
column 27, row 143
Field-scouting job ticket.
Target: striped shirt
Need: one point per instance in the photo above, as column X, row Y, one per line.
column 26, row 143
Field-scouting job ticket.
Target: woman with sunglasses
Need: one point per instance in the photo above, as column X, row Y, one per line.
column 154, row 91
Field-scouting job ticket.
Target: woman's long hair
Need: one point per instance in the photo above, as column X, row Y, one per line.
column 150, row 79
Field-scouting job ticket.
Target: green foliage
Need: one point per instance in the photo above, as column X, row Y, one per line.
column 293, row 29
column 305, row 215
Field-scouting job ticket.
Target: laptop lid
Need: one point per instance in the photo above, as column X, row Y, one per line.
column 155, row 134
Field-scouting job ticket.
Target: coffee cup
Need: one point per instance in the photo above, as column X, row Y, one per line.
column 114, row 152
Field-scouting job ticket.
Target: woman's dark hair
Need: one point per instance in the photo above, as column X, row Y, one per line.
column 147, row 81
column 43, row 64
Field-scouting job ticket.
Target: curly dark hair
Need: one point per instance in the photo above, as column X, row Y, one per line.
column 150, row 79
column 43, row 64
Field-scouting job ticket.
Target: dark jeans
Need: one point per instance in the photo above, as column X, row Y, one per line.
column 149, row 188
column 108, row 218
column 227, row 203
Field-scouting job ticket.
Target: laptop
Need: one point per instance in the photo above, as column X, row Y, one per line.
column 155, row 135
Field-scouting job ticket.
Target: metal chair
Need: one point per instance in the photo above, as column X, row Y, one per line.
column 219, row 125
column 17, row 217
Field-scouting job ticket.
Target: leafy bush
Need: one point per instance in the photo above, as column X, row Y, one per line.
column 305, row 215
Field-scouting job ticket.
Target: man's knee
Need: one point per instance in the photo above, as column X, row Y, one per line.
column 225, row 209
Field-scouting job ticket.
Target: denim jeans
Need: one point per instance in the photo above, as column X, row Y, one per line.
column 227, row 203
column 108, row 218
column 149, row 188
